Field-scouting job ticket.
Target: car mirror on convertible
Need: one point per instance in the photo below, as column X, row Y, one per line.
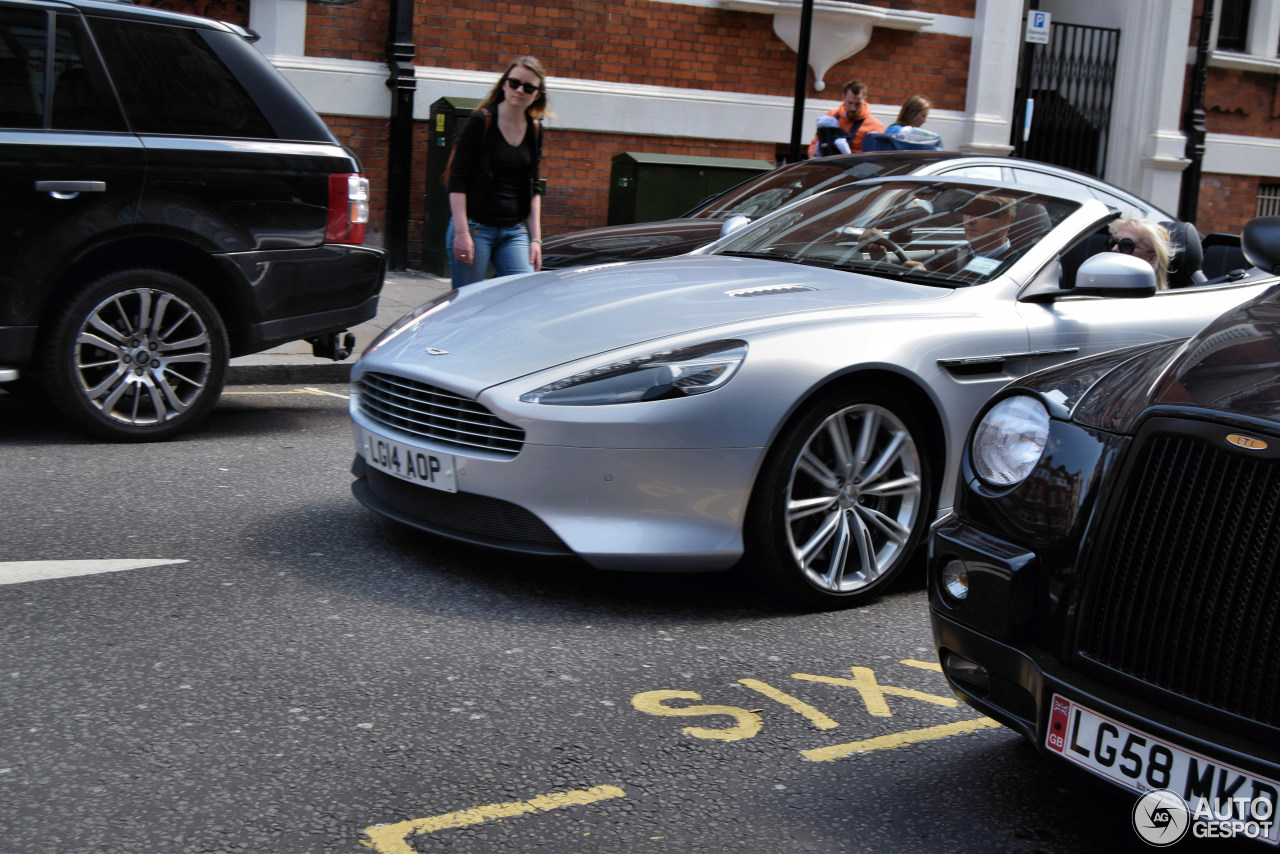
column 734, row 223
column 1113, row 274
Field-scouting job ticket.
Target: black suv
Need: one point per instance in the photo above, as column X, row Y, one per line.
column 170, row 202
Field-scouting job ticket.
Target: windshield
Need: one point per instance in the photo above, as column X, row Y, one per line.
column 771, row 191
column 948, row 233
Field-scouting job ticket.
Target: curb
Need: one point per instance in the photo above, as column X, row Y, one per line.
column 332, row 373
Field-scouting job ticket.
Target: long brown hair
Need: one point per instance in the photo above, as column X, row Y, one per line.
column 538, row 108
column 911, row 108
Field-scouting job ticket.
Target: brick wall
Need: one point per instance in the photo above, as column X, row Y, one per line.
column 633, row 41
column 1227, row 202
column 231, row 11
column 1239, row 103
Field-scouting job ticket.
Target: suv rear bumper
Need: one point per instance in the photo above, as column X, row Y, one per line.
column 301, row 293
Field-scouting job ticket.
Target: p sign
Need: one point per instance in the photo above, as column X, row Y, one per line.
column 1037, row 27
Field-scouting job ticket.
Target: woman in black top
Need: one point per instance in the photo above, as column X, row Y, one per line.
column 493, row 179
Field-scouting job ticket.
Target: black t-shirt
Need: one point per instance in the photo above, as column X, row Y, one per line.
column 500, row 205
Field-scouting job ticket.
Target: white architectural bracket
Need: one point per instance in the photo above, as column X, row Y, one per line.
column 839, row 30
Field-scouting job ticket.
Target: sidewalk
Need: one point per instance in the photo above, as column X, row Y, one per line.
column 293, row 363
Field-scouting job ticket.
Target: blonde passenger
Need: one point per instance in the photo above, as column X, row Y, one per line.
column 1143, row 239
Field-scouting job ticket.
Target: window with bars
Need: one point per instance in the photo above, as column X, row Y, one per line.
column 1268, row 200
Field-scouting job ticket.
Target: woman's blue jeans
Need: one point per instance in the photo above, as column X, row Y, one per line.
column 507, row 248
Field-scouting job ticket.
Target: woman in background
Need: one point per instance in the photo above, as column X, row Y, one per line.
column 914, row 113
column 493, row 179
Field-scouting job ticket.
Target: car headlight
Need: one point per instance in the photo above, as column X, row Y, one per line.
column 656, row 376
column 1009, row 440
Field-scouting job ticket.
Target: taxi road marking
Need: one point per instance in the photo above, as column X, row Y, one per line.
column 20, row 571
column 898, row 739
column 391, row 838
column 318, row 391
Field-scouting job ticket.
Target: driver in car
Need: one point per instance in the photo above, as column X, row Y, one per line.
column 987, row 219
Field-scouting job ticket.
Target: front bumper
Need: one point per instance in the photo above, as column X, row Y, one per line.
column 621, row 509
column 1024, row 676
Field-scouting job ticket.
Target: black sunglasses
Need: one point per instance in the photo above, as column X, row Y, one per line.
column 1126, row 245
column 529, row 88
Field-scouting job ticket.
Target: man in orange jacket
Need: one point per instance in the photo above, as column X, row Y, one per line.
column 854, row 116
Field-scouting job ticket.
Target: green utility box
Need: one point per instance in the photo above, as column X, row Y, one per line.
column 448, row 115
column 649, row 187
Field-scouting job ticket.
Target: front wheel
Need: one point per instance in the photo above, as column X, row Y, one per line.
column 843, row 502
column 137, row 355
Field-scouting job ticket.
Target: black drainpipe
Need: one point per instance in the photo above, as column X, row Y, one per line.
column 401, row 82
column 1193, row 120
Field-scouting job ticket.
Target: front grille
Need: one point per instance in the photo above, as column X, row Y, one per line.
column 433, row 413
column 1185, row 577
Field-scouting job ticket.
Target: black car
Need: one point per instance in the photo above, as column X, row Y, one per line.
column 766, row 193
column 171, row 202
column 1108, row 583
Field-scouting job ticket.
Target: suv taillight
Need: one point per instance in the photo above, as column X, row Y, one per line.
column 348, row 208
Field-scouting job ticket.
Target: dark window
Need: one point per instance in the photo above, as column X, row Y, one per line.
column 22, row 68
column 1233, row 25
column 172, row 82
column 82, row 100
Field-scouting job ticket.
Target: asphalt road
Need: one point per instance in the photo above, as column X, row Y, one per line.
column 279, row 670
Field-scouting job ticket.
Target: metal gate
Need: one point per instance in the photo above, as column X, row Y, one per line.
column 1069, row 82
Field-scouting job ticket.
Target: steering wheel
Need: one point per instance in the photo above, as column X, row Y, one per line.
column 887, row 242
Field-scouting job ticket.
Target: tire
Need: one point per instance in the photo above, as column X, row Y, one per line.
column 831, row 525
column 137, row 355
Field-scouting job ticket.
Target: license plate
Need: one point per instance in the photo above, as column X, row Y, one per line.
column 1141, row 762
column 425, row 468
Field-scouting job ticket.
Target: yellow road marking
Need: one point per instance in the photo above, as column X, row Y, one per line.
column 923, row 665
column 898, row 739
column 795, row 704
column 873, row 693
column 391, row 838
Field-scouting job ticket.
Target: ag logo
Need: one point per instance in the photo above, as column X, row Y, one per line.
column 1160, row 817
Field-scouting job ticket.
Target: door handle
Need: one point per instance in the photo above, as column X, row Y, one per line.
column 70, row 189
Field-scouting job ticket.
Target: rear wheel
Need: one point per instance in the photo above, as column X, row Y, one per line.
column 843, row 503
column 137, row 355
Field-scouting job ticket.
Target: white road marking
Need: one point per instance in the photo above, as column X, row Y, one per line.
column 21, row 571
column 329, row 393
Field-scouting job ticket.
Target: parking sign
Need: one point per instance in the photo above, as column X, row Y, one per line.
column 1037, row 27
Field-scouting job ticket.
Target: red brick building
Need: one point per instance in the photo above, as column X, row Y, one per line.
column 717, row 78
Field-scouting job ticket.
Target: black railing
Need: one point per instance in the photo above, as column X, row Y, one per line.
column 1071, row 82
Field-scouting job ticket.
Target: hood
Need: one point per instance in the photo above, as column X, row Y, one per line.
column 510, row 327
column 637, row 241
column 1231, row 366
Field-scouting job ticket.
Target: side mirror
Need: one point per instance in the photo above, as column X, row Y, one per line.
column 1112, row 274
column 734, row 223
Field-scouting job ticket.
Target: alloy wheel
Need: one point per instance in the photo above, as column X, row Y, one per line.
column 854, row 497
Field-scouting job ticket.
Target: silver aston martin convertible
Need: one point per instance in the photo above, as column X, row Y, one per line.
column 788, row 401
